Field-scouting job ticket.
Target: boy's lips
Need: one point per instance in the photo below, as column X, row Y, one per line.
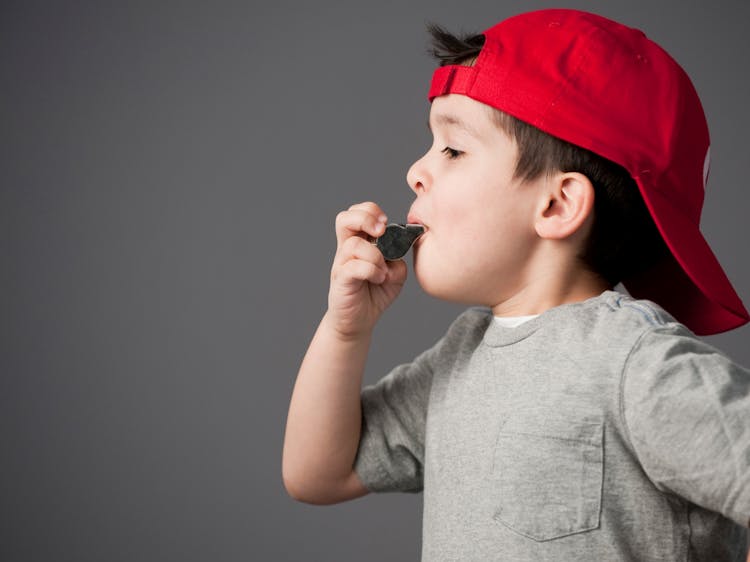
column 414, row 219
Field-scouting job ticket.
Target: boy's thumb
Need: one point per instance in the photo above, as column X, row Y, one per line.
column 397, row 271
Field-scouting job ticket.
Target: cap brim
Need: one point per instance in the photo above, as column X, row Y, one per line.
column 692, row 287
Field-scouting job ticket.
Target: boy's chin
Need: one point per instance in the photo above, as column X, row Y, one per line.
column 447, row 288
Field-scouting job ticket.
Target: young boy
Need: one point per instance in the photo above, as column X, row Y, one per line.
column 561, row 420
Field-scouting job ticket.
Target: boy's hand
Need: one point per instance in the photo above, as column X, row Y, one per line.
column 363, row 284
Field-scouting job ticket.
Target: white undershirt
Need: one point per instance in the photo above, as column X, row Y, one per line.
column 513, row 321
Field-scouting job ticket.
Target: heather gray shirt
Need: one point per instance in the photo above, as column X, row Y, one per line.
column 601, row 430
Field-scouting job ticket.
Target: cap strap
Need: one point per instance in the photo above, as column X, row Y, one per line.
column 451, row 79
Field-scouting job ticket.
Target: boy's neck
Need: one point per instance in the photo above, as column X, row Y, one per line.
column 544, row 293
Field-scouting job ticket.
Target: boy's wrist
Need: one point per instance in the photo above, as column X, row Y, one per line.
column 346, row 335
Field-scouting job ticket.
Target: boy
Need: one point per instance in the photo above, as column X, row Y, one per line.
column 562, row 420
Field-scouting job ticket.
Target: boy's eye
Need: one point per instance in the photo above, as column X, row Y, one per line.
column 451, row 153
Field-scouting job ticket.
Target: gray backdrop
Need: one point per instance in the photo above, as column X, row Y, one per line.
column 170, row 176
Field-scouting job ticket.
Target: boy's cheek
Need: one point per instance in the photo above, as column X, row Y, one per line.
column 437, row 257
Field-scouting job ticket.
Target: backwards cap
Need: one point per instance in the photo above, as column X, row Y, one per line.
column 608, row 88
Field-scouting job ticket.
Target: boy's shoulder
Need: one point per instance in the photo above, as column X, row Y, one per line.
column 614, row 308
column 607, row 332
column 639, row 313
column 616, row 321
column 466, row 331
column 611, row 319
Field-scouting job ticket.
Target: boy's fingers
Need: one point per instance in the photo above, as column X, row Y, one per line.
column 360, row 223
column 357, row 248
column 361, row 270
column 369, row 207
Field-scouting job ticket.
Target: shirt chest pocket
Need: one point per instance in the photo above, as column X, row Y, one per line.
column 547, row 476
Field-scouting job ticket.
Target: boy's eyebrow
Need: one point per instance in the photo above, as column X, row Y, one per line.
column 454, row 121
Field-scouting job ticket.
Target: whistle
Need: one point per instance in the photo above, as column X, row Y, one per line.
column 397, row 239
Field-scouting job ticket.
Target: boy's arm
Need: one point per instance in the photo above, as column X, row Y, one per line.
column 324, row 420
column 685, row 405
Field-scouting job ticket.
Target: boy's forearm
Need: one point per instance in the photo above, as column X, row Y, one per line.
column 324, row 420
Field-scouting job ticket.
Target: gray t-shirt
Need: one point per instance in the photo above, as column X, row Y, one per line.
column 601, row 430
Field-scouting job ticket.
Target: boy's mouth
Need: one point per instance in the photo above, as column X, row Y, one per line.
column 415, row 220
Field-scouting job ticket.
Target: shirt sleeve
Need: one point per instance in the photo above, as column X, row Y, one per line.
column 687, row 410
column 394, row 410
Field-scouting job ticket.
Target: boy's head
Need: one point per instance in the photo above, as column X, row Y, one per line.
column 590, row 102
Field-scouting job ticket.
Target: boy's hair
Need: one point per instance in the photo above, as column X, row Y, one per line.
column 624, row 240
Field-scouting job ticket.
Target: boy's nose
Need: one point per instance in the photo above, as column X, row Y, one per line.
column 417, row 177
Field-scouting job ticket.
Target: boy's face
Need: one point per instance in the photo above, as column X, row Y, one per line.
column 480, row 233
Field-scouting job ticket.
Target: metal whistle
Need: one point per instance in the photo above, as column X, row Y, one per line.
column 397, row 239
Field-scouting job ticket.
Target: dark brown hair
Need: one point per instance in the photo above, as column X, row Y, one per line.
column 624, row 240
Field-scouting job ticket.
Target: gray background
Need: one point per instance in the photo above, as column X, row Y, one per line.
column 170, row 176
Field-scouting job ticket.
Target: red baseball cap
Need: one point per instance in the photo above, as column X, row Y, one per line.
column 608, row 88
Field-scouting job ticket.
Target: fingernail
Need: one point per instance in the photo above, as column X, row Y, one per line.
column 383, row 219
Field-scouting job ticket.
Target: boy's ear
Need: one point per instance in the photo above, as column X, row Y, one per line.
column 568, row 202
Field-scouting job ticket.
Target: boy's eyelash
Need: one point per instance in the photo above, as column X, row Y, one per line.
column 451, row 153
